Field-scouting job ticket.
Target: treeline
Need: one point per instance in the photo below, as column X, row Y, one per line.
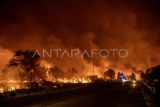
column 110, row 73
column 152, row 76
column 23, row 66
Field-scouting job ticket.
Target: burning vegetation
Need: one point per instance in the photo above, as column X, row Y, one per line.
column 23, row 70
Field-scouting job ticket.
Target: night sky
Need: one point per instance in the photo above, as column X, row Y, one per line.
column 83, row 24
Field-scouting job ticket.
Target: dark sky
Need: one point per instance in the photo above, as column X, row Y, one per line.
column 83, row 24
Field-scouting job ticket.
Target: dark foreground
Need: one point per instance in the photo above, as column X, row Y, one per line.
column 111, row 94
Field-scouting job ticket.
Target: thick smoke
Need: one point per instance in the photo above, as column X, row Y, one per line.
column 13, row 76
column 5, row 56
column 130, row 25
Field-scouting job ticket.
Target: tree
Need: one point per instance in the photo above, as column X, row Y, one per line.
column 56, row 72
column 153, row 73
column 41, row 73
column 25, row 58
column 74, row 72
column 71, row 73
column 133, row 76
column 143, row 76
column 120, row 75
column 110, row 73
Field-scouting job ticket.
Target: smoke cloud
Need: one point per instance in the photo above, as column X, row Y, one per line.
column 131, row 25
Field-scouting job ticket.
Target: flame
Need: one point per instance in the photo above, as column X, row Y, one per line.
column 16, row 84
column 1, row 90
column 13, row 83
column 13, row 88
column 25, row 81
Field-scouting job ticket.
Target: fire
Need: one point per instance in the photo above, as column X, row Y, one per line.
column 1, row 90
column 25, row 81
column 12, row 85
column 75, row 80
column 13, row 88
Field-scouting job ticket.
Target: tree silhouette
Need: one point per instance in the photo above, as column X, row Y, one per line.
column 25, row 58
column 71, row 73
column 56, row 72
column 110, row 73
column 143, row 76
column 41, row 73
column 133, row 76
column 153, row 73
column 119, row 75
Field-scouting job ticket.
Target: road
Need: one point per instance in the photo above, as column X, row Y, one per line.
column 109, row 94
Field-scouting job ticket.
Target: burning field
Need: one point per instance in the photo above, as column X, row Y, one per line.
column 28, row 75
column 26, row 87
column 49, row 77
